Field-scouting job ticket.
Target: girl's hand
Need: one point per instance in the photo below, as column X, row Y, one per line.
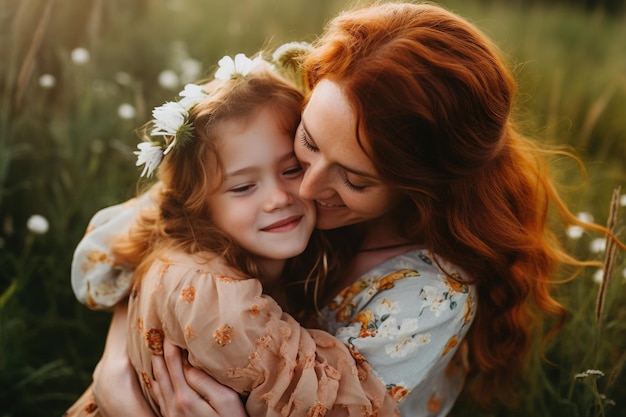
column 182, row 390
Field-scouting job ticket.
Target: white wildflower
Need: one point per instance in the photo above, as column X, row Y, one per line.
column 240, row 66
column 126, row 111
column 622, row 200
column 149, row 154
column 191, row 95
column 597, row 245
column 37, row 224
column 169, row 79
column 585, row 216
column 47, row 81
column 80, row 56
column 168, row 118
column 598, row 276
column 594, row 372
column 574, row 232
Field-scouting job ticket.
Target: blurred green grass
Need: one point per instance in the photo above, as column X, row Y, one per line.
column 77, row 77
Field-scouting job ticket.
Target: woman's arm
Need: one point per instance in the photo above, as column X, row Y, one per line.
column 182, row 391
column 115, row 387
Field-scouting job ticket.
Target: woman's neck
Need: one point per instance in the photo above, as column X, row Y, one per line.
column 380, row 243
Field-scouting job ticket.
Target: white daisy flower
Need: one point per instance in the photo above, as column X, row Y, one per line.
column 37, row 224
column 168, row 118
column 241, row 65
column 191, row 95
column 149, row 154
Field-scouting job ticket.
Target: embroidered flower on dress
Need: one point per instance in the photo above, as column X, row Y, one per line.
column 223, row 335
column 188, row 294
column 154, row 339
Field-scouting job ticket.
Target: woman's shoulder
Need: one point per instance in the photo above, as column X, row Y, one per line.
column 417, row 263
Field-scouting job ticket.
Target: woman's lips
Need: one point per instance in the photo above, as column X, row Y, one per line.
column 283, row 225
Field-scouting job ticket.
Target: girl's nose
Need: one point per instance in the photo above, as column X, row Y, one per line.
column 278, row 197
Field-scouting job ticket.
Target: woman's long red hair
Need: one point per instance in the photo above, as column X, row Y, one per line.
column 433, row 99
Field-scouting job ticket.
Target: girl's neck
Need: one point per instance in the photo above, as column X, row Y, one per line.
column 270, row 271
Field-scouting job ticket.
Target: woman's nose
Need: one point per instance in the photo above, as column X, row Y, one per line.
column 314, row 185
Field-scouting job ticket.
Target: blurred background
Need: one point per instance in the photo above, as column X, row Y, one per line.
column 77, row 77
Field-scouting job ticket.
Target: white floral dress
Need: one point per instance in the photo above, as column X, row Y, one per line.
column 409, row 321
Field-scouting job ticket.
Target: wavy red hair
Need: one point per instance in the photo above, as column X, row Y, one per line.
column 433, row 98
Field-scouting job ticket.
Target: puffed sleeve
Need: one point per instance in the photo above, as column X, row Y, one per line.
column 244, row 339
column 96, row 281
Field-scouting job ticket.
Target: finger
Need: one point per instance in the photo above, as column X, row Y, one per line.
column 224, row 400
column 173, row 356
column 162, row 382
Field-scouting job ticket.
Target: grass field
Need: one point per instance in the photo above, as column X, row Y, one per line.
column 76, row 78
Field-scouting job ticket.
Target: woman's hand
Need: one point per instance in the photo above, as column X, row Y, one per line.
column 115, row 387
column 182, row 390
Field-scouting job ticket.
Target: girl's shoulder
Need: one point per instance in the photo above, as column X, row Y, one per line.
column 198, row 264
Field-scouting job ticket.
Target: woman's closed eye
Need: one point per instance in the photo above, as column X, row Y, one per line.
column 305, row 142
column 353, row 187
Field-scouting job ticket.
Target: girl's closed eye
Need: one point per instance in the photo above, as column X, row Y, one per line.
column 293, row 172
column 241, row 189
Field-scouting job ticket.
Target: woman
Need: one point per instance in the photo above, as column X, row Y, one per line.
column 411, row 155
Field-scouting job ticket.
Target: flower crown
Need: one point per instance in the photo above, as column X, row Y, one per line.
column 171, row 120
column 171, row 126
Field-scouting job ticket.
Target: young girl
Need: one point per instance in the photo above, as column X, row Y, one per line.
column 227, row 209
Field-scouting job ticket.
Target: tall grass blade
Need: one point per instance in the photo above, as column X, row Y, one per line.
column 29, row 61
column 610, row 255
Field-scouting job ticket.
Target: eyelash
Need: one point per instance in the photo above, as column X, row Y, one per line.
column 358, row 188
column 346, row 181
column 305, row 142
column 241, row 189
